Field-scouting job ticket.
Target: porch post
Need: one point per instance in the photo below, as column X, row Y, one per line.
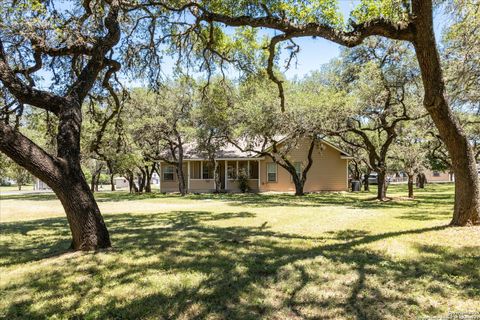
column 258, row 175
column 248, row 169
column 188, row 176
column 201, row 169
column 237, row 169
column 226, row 175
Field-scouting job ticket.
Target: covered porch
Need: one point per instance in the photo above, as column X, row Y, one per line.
column 202, row 175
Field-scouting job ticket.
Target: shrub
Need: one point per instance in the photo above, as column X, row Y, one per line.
column 242, row 180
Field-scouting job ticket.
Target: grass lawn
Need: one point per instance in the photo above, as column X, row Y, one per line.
column 15, row 188
column 327, row 256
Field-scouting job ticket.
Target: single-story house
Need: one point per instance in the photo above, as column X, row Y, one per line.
column 122, row 182
column 329, row 170
column 40, row 185
column 438, row 176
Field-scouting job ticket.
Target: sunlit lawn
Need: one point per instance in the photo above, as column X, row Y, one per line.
column 328, row 256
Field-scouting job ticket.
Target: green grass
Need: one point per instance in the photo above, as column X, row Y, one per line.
column 323, row 256
column 15, row 188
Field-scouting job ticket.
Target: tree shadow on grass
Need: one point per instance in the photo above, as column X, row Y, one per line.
column 176, row 265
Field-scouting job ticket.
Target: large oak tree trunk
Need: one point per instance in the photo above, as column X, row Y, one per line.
column 467, row 190
column 65, row 177
column 86, row 223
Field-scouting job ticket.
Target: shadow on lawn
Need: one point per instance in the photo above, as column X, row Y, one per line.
column 245, row 272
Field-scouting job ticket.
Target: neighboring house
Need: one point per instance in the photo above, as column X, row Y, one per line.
column 438, row 176
column 329, row 171
column 120, row 182
column 40, row 185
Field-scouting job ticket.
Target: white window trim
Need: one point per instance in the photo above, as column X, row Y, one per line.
column 276, row 172
column 165, row 172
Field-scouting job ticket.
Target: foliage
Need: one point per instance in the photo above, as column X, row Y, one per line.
column 242, row 180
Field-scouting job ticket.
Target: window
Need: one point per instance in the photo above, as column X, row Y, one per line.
column 168, row 173
column 243, row 168
column 271, row 172
column 207, row 170
column 253, row 170
column 436, row 174
column 231, row 170
column 195, row 170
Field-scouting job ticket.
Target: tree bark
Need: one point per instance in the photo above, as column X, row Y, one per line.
column 298, row 185
column 131, row 183
column 382, row 185
column 181, row 179
column 148, row 179
column 366, row 186
column 141, row 178
column 86, row 223
column 411, row 178
column 421, row 180
column 112, row 181
column 112, row 174
column 67, row 181
column 467, row 189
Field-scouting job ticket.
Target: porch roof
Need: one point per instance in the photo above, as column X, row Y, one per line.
column 227, row 152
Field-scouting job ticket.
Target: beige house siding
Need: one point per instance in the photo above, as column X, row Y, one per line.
column 198, row 185
column 233, row 185
column 439, row 177
column 327, row 173
column 170, row 185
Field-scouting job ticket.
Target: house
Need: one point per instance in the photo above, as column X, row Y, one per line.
column 40, row 185
column 122, row 182
column 438, row 176
column 329, row 170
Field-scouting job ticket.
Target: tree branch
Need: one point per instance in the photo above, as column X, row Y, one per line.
column 24, row 93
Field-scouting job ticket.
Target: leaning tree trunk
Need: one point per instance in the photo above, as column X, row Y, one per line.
column 64, row 175
column 467, row 186
column 86, row 224
column 411, row 178
column 382, row 185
